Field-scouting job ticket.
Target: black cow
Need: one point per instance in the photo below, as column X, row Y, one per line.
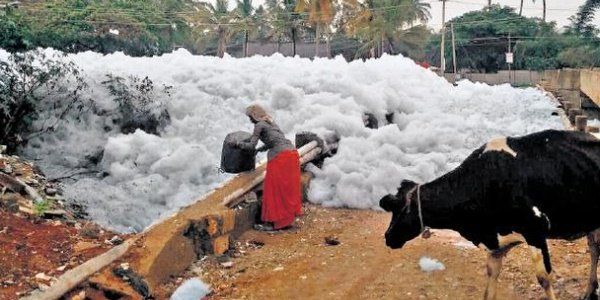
column 509, row 191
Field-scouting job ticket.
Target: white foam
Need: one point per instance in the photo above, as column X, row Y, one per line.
column 430, row 264
column 436, row 126
column 191, row 289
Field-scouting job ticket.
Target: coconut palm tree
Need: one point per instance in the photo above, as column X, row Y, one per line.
column 246, row 23
column 379, row 24
column 521, row 8
column 320, row 16
column 544, row 9
column 214, row 19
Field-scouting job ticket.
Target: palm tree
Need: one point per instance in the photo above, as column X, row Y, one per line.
column 379, row 23
column 213, row 19
column 244, row 11
column 521, row 8
column 544, row 9
column 320, row 15
column 277, row 21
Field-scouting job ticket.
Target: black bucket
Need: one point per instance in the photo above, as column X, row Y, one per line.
column 236, row 160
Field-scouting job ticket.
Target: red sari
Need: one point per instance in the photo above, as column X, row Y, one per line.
column 282, row 199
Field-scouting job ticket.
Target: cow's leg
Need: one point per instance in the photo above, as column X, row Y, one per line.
column 494, row 265
column 543, row 268
column 594, row 244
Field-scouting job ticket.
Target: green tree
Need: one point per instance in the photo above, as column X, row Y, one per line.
column 214, row 20
column 384, row 25
column 320, row 16
column 246, row 22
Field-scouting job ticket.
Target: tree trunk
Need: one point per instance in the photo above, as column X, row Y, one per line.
column 222, row 47
column 317, row 33
column 382, row 45
column 246, row 43
column 293, row 41
column 328, row 43
column 521, row 9
column 544, row 16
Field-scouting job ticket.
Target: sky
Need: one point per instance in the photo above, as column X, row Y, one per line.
column 557, row 10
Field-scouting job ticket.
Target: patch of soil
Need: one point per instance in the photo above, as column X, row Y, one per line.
column 301, row 264
column 46, row 248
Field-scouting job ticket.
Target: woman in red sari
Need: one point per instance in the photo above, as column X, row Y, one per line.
column 282, row 191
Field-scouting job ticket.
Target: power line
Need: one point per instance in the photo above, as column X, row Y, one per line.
column 575, row 9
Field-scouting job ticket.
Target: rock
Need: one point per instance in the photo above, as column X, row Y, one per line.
column 50, row 191
column 3, row 148
column 115, row 240
column 61, row 268
column 277, row 269
column 43, row 277
column 331, row 241
column 227, row 264
column 6, row 168
column 80, row 296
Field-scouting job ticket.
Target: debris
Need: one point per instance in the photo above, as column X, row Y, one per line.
column 256, row 244
column 331, row 241
column 61, row 268
column 80, row 296
column 54, row 213
column 430, row 264
column 6, row 168
column 278, row 268
column 227, row 264
column 115, row 240
column 43, row 277
column 192, row 289
column 90, row 230
column 50, row 191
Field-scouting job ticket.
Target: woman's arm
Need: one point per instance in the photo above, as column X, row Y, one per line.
column 251, row 144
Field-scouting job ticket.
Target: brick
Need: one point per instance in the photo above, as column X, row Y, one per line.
column 220, row 244
column 228, row 217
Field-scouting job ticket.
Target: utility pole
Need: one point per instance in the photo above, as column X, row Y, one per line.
column 453, row 49
column 508, row 61
column 442, row 58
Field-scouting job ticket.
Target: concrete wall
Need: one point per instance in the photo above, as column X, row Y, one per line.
column 518, row 77
column 590, row 84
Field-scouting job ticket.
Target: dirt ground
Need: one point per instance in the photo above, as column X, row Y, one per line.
column 34, row 252
column 299, row 264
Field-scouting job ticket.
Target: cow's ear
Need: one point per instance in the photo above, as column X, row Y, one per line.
column 388, row 202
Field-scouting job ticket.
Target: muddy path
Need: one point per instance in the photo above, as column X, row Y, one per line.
column 299, row 264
